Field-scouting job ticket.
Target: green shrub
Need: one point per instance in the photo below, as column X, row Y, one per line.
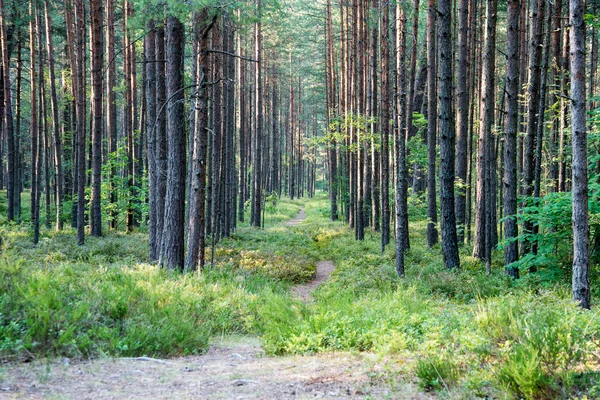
column 436, row 372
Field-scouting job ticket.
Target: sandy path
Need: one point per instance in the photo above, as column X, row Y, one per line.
column 233, row 370
column 304, row 291
column 324, row 268
column 297, row 219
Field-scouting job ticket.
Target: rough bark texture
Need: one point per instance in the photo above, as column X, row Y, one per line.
column 150, row 95
column 511, row 248
column 8, row 117
column 482, row 242
column 400, row 143
column 255, row 218
column 533, row 119
column 59, row 186
column 197, row 197
column 462, row 116
column 160, row 146
column 97, row 121
column 432, row 215
column 385, row 126
column 447, row 137
column 173, row 226
column 581, row 228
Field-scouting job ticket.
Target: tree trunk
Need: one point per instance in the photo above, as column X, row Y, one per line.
column 447, row 137
column 35, row 132
column 482, row 240
column 55, row 118
column 258, row 116
column 151, row 65
column 111, row 99
column 400, row 144
column 533, row 119
column 432, row 233
column 96, row 16
column 462, row 116
column 160, row 146
column 511, row 248
column 197, row 196
column 173, row 226
column 12, row 190
column 385, row 126
column 581, row 228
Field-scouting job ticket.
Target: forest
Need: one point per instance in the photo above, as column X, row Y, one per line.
column 299, row 199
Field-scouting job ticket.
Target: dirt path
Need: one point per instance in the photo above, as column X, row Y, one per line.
column 304, row 292
column 297, row 219
column 230, row 370
column 324, row 268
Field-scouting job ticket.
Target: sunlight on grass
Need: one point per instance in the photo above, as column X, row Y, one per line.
column 462, row 333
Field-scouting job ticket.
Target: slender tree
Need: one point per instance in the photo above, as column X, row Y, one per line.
column 511, row 249
column 432, row 233
column 447, row 137
column 96, row 16
column 581, row 228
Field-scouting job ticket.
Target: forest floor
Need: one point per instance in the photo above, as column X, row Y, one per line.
column 233, row 368
column 298, row 309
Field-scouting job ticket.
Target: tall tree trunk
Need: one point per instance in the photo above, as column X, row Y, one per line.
column 432, row 233
column 258, row 116
column 581, row 228
column 172, row 249
column 151, row 65
column 462, row 116
column 12, row 190
column 482, row 240
column 196, row 240
column 400, row 143
column 447, row 137
column 35, row 132
column 55, row 118
column 333, row 213
column 96, row 16
column 533, row 119
column 511, row 248
column 111, row 100
column 160, row 147
column 385, row 126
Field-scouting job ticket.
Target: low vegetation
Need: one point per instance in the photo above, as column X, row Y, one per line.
column 459, row 333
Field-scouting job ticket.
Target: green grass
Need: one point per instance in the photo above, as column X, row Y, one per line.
column 461, row 333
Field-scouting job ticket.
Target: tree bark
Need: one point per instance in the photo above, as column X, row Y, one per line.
column 97, row 120
column 11, row 183
column 447, row 137
column 581, row 228
column 196, row 241
column 173, row 226
column 511, row 248
column 401, row 185
column 432, row 233
column 255, row 219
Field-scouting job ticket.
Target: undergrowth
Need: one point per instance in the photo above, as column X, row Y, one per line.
column 463, row 334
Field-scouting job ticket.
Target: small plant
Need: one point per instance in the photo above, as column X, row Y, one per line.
column 437, row 372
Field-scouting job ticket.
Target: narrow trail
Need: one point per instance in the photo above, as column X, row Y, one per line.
column 233, row 368
column 324, row 268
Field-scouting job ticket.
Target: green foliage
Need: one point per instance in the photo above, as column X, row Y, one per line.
column 437, row 372
column 81, row 309
column 133, row 197
column 461, row 333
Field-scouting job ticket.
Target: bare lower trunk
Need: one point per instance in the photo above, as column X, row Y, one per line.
column 581, row 228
